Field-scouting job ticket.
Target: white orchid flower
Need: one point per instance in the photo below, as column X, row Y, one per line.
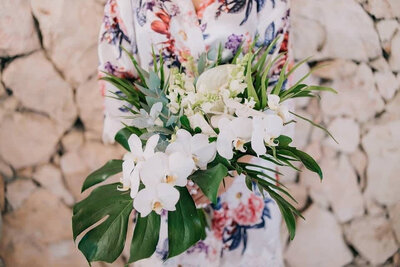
column 161, row 197
column 281, row 109
column 198, row 120
column 265, row 130
column 146, row 120
column 173, row 169
column 196, row 147
column 133, row 162
column 233, row 135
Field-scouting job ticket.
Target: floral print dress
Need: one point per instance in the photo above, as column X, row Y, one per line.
column 244, row 226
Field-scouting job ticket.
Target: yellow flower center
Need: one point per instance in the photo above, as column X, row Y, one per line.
column 157, row 206
column 239, row 195
column 169, row 179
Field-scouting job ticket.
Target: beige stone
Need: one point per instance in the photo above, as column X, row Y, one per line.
column 90, row 105
column 359, row 161
column 18, row 191
column 73, row 140
column 39, row 234
column 338, row 189
column 359, row 40
column 2, row 195
column 372, row 237
column 17, row 30
column 386, row 30
column 27, row 139
column 394, row 215
column 347, row 133
column 382, row 145
column 42, row 88
column 77, row 165
column 380, row 64
column 335, row 69
column 299, row 193
column 383, row 8
column 318, row 242
column 357, row 98
column 71, row 46
column 50, row 177
column 387, row 84
column 394, row 59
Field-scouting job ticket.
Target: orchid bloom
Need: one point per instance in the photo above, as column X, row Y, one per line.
column 198, row 120
column 133, row 161
column 233, row 134
column 145, row 120
column 280, row 109
column 160, row 197
column 173, row 169
column 196, row 147
column 265, row 130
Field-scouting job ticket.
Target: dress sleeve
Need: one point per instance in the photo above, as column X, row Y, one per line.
column 117, row 30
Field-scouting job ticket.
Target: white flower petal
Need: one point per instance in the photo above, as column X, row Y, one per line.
column 213, row 79
column 180, row 166
column 224, row 144
column 273, row 125
column 135, row 180
column 144, row 201
column 273, row 102
column 168, row 196
column 257, row 138
column 198, row 120
column 203, row 151
column 242, row 127
column 151, row 146
column 135, row 146
column 127, row 168
column 154, row 169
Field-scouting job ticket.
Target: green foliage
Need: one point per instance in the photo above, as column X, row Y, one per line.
column 209, row 180
column 123, row 135
column 109, row 169
column 185, row 225
column 106, row 240
column 145, row 237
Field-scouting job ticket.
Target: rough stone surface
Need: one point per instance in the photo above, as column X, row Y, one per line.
column 90, row 107
column 17, row 30
column 73, row 140
column 28, row 241
column 45, row 92
column 71, row 47
column 387, row 84
column 394, row 213
column 322, row 29
column 372, row 237
column 332, row 250
column 50, row 177
column 394, row 59
column 346, row 132
column 382, row 144
column 357, row 98
column 383, row 8
column 22, row 148
column 18, row 191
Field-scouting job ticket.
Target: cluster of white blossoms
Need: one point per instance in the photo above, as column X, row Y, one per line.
column 214, row 102
column 152, row 176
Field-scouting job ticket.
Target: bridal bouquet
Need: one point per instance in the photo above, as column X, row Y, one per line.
column 194, row 125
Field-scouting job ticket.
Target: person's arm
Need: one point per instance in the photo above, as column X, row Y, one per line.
column 116, row 30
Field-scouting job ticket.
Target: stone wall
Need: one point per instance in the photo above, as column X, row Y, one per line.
column 51, row 120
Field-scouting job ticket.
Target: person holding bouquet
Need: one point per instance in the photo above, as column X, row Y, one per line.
column 244, row 226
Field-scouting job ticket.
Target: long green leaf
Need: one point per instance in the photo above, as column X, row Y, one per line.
column 251, row 91
column 145, row 237
column 106, row 240
column 209, row 180
column 111, row 168
column 185, row 226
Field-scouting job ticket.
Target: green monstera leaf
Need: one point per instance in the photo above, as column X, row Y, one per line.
column 109, row 169
column 106, row 240
column 185, row 225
